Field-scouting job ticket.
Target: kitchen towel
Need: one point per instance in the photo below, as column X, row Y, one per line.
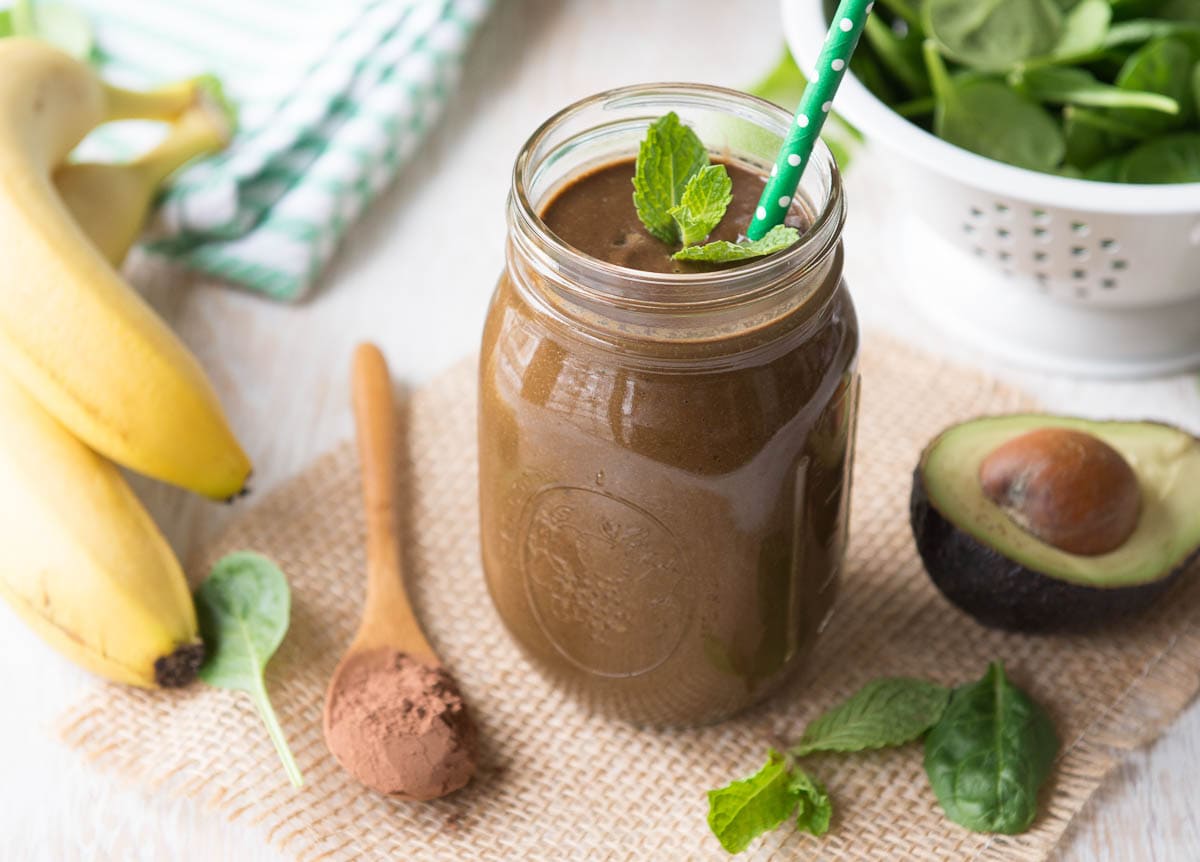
column 557, row 783
column 333, row 98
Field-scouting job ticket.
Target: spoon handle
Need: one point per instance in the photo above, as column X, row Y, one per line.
column 388, row 618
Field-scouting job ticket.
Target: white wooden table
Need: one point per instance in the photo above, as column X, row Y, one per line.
column 282, row 371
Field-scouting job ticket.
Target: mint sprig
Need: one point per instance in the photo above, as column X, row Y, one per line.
column 741, row 811
column 681, row 198
column 722, row 251
column 703, row 204
column 667, row 158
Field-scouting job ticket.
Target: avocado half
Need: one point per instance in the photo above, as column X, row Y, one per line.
column 1004, row 576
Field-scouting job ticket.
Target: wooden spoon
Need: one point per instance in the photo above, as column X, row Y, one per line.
column 394, row 717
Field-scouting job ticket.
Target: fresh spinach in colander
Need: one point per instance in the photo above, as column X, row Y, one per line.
column 1099, row 89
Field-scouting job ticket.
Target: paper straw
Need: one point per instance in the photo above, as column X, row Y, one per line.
column 847, row 26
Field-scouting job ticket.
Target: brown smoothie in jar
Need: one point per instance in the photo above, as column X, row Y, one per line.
column 663, row 521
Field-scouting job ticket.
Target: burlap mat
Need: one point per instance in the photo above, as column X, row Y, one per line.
column 556, row 783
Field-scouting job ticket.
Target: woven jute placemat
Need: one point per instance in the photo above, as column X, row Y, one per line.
column 556, row 783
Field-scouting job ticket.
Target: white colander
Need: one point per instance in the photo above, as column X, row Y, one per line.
column 1069, row 275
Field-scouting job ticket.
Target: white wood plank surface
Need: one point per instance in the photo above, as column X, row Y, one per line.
column 407, row 279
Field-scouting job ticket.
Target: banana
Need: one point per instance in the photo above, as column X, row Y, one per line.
column 82, row 562
column 78, row 339
column 110, row 202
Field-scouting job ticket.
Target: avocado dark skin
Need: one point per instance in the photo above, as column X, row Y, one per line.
column 1004, row 594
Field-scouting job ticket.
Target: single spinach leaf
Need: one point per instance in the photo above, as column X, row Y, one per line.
column 989, row 754
column 243, row 609
column 1180, row 10
column 722, row 251
column 1109, row 170
column 1084, row 29
column 668, row 156
column 741, row 811
column 993, row 35
column 1163, row 66
column 6, row 23
column 1196, row 86
column 814, row 808
column 900, row 55
column 1092, row 136
column 885, row 712
column 989, row 118
column 1061, row 85
column 703, row 203
column 1170, row 159
column 1140, row 30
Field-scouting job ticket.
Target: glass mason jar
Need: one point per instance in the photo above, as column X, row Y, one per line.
column 664, row 459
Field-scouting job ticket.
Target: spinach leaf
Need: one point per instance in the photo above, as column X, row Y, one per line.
column 1084, row 28
column 1196, row 86
column 1169, row 159
column 1142, row 30
column 1181, row 10
column 1163, row 66
column 1110, row 170
column 989, row 754
column 243, row 609
column 989, row 118
column 900, row 55
column 1069, row 86
column 1092, row 136
column 993, row 35
column 883, row 713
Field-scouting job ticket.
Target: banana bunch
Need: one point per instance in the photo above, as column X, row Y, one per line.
column 89, row 373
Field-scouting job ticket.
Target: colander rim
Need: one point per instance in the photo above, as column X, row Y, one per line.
column 804, row 28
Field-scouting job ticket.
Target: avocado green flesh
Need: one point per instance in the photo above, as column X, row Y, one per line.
column 1166, row 461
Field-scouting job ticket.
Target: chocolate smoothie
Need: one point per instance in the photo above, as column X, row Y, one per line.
column 663, row 518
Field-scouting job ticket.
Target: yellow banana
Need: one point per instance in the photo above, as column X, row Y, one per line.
column 80, row 560
column 110, row 202
column 77, row 338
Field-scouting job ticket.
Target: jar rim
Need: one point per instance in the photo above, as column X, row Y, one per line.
column 601, row 280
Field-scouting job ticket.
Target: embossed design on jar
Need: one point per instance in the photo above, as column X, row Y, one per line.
column 604, row 579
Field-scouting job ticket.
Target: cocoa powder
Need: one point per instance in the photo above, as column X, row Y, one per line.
column 400, row 726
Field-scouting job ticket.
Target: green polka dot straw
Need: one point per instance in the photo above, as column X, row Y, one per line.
column 847, row 26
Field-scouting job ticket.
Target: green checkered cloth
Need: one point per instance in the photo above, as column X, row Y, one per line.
column 333, row 97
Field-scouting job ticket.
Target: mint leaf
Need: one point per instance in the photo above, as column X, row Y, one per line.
column 884, row 712
column 815, row 808
column 668, row 156
column 722, row 251
column 740, row 812
column 703, row 204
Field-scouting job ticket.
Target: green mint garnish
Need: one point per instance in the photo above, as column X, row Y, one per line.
column 741, row 811
column 681, row 198
column 776, row 239
column 885, row 712
column 814, row 808
column 703, row 203
column 669, row 155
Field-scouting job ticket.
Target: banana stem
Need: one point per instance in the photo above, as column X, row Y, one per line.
column 162, row 103
column 199, row 132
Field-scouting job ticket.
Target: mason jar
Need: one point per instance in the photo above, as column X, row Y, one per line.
column 664, row 458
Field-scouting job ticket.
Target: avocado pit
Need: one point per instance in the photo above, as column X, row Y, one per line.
column 1068, row 488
